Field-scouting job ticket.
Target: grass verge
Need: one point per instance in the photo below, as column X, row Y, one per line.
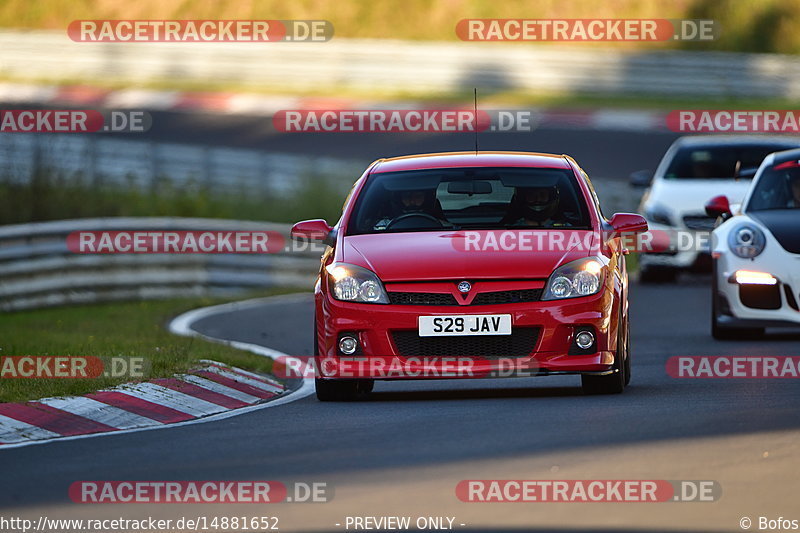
column 49, row 196
column 132, row 329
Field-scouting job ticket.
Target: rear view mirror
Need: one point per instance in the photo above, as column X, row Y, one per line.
column 469, row 187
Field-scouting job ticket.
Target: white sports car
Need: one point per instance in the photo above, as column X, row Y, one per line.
column 756, row 252
column 694, row 169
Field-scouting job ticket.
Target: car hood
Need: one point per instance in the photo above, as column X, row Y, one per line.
column 441, row 255
column 784, row 224
column 689, row 196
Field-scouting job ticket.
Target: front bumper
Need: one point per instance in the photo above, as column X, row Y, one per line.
column 380, row 330
column 736, row 309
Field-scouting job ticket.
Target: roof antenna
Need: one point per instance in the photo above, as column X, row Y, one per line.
column 475, row 117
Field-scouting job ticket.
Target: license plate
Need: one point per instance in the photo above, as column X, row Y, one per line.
column 444, row 326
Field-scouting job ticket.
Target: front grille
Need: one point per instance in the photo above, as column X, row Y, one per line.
column 760, row 296
column 421, row 298
column 699, row 222
column 520, row 343
column 508, row 297
column 483, row 298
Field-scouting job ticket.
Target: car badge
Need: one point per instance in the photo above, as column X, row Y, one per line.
column 464, row 287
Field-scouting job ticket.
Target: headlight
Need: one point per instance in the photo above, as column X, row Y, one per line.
column 658, row 214
column 747, row 241
column 577, row 278
column 356, row 284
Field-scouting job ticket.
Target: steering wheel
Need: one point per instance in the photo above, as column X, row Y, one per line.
column 407, row 216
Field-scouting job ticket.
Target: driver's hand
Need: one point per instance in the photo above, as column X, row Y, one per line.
column 381, row 224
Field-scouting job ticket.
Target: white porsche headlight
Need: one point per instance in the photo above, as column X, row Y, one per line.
column 353, row 283
column 582, row 277
column 746, row 241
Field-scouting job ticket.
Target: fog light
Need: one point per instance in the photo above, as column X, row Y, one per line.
column 748, row 277
column 584, row 340
column 348, row 345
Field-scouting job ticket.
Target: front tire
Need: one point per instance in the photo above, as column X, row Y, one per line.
column 627, row 364
column 336, row 390
column 613, row 383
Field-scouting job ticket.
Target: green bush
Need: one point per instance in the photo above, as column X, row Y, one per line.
column 49, row 196
column 752, row 26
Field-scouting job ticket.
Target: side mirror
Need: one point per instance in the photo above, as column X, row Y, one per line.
column 719, row 206
column 641, row 178
column 628, row 223
column 315, row 230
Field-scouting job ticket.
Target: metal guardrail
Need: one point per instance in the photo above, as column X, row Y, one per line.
column 142, row 164
column 38, row 270
column 398, row 65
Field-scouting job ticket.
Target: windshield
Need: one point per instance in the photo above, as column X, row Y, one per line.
column 711, row 162
column 474, row 198
column 777, row 188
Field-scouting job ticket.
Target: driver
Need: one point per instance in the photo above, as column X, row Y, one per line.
column 702, row 166
column 406, row 202
column 794, row 185
column 534, row 206
column 410, row 202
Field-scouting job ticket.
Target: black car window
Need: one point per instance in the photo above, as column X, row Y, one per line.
column 469, row 198
column 777, row 188
column 711, row 162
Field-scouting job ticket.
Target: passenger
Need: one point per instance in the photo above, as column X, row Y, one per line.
column 534, row 206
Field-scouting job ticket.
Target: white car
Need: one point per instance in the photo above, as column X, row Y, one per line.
column 694, row 169
column 756, row 253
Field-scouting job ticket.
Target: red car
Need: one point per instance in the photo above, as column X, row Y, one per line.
column 471, row 265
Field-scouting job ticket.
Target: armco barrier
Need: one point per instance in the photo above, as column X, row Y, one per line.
column 400, row 65
column 37, row 269
column 145, row 164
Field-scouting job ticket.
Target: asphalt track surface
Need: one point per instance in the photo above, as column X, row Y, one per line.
column 403, row 451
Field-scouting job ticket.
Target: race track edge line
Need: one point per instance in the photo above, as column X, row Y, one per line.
column 182, row 325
